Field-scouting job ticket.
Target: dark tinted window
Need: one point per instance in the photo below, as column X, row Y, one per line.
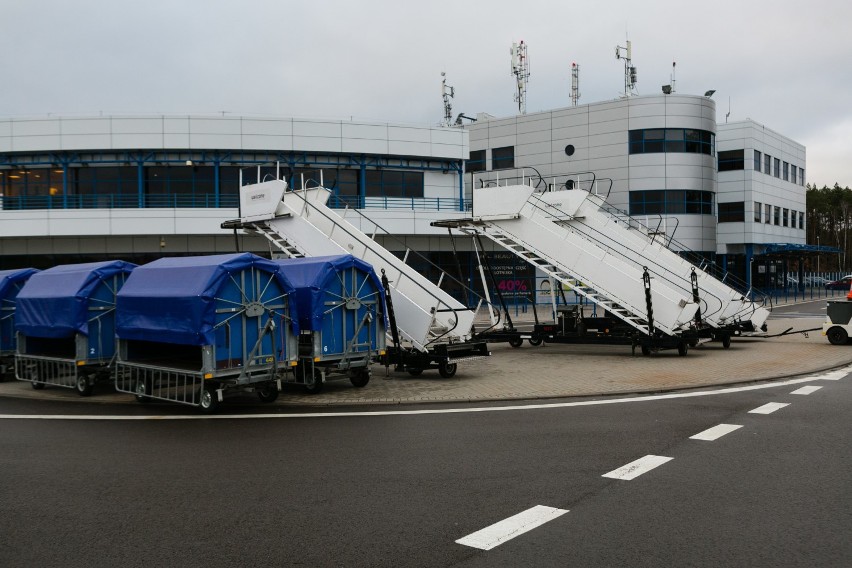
column 503, row 158
column 732, row 212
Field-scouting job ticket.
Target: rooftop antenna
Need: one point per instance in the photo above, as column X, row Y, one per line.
column 674, row 63
column 447, row 92
column 729, row 110
column 625, row 53
column 521, row 71
column 575, row 84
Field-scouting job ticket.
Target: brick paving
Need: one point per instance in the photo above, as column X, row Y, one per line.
column 555, row 371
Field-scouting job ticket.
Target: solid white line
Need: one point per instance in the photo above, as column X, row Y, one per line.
column 716, row 432
column 806, row 390
column 832, row 376
column 769, row 408
column 636, row 468
column 507, row 529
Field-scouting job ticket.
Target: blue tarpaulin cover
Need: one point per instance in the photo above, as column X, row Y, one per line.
column 10, row 283
column 313, row 276
column 8, row 279
column 55, row 302
column 174, row 300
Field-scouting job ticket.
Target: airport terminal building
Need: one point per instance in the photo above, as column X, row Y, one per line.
column 76, row 189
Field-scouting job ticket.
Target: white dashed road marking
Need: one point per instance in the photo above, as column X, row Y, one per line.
column 716, row 432
column 769, row 408
column 806, row 390
column 507, row 529
column 636, row 468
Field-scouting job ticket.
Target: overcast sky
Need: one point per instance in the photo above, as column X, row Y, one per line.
column 782, row 63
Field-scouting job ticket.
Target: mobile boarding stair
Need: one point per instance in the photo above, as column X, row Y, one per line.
column 561, row 212
column 651, row 312
column 429, row 328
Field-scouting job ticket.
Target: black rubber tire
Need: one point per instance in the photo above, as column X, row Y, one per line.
column 317, row 385
column 360, row 379
column 447, row 370
column 415, row 371
column 726, row 341
column 84, row 385
column 682, row 348
column 268, row 392
column 646, row 351
column 516, row 342
column 535, row 341
column 37, row 386
column 209, row 402
column 837, row 336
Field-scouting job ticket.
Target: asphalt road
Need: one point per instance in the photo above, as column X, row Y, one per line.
column 401, row 489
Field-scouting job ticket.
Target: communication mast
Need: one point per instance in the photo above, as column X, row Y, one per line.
column 521, row 71
column 447, row 92
column 629, row 70
column 575, row 84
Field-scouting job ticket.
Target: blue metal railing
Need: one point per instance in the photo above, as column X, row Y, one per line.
column 180, row 201
column 169, row 201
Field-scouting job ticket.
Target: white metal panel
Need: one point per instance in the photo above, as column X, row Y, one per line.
column 130, row 125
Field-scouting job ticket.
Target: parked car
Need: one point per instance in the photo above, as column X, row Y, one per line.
column 842, row 284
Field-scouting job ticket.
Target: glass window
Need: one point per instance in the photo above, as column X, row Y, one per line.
column 393, row 183
column 671, row 202
column 801, row 176
column 793, row 218
column 693, row 140
column 674, row 140
column 776, row 216
column 731, row 160
column 675, row 202
column 503, row 158
column 786, row 171
column 777, row 170
column 758, row 160
column 793, row 173
column 767, row 164
column 785, row 217
column 767, row 214
column 654, row 140
column 758, row 209
column 476, row 163
column 732, row 212
column 801, row 219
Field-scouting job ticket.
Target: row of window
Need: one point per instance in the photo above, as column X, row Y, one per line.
column 774, row 215
column 501, row 159
column 655, row 140
column 193, row 186
column 671, row 202
column 730, row 160
column 783, row 170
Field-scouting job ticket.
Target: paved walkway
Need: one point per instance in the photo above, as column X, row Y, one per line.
column 551, row 371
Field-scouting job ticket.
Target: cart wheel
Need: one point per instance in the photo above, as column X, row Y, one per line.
column 142, row 392
column 836, row 336
column 37, row 386
column 84, row 384
column 209, row 402
column 361, row 378
column 267, row 392
column 447, row 370
column 516, row 342
column 646, row 351
column 415, row 371
column 535, row 341
column 316, row 384
column 726, row 341
column 682, row 348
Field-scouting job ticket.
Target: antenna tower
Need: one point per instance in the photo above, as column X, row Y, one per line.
column 575, row 84
column 625, row 53
column 521, row 71
column 447, row 92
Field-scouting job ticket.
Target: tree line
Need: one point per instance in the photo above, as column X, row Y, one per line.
column 829, row 219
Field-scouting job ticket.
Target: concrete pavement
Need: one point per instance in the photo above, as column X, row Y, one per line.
column 553, row 371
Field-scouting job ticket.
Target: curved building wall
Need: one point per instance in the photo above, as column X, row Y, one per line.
column 153, row 185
